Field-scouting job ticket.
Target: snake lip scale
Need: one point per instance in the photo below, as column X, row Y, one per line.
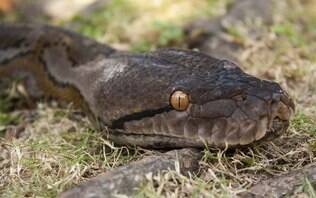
column 166, row 98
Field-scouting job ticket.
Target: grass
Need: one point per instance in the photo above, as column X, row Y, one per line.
column 58, row 149
column 144, row 25
column 57, row 152
column 308, row 188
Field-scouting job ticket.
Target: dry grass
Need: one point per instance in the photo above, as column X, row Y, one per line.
column 58, row 149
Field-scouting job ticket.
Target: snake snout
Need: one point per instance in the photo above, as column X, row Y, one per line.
column 244, row 120
column 280, row 109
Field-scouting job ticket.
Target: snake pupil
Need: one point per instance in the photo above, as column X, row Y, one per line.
column 179, row 100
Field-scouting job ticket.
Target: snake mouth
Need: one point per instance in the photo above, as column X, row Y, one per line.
column 278, row 128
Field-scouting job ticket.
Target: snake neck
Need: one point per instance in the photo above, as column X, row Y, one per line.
column 52, row 58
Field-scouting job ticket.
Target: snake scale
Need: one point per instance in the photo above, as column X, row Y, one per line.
column 169, row 98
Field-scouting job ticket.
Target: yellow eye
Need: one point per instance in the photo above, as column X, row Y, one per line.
column 179, row 100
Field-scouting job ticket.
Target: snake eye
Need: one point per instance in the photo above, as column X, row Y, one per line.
column 179, row 100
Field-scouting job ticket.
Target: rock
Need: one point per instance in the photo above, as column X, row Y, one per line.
column 126, row 179
column 288, row 185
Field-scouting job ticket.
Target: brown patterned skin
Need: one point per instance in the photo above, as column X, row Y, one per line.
column 128, row 94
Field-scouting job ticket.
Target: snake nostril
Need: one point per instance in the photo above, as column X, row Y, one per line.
column 283, row 112
column 280, row 107
column 283, row 106
column 276, row 97
column 288, row 101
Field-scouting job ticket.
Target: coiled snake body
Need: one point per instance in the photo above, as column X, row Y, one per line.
column 166, row 98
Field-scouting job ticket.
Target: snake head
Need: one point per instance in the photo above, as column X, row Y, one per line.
column 177, row 98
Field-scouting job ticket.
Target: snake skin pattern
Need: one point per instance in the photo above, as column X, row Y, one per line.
column 127, row 94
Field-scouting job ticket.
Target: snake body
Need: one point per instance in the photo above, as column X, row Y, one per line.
column 128, row 94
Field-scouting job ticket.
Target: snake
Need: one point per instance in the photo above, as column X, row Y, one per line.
column 167, row 98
